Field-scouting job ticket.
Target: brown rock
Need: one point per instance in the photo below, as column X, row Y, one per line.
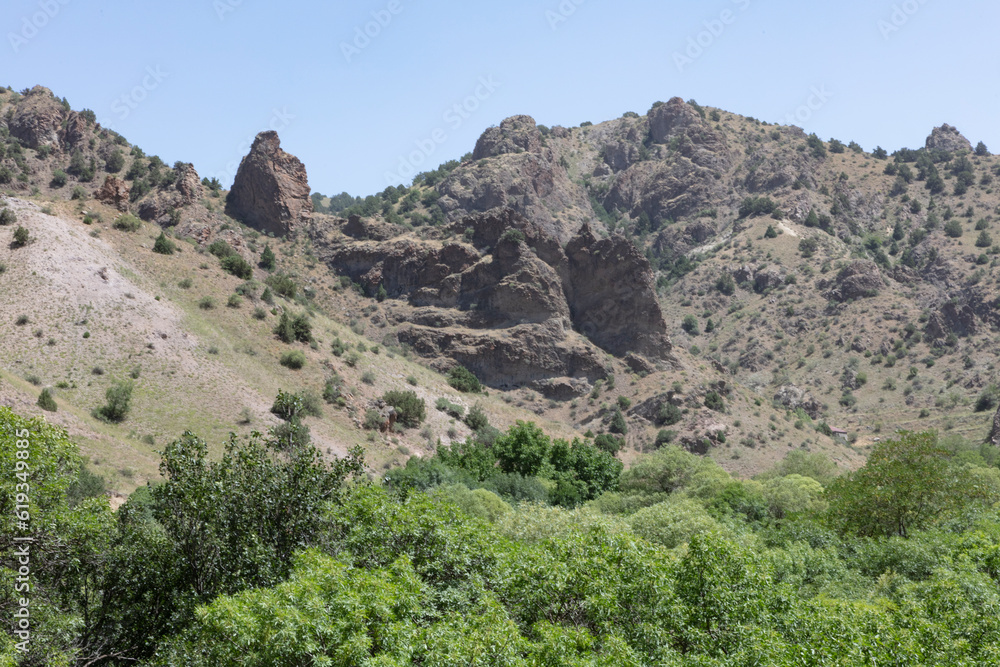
column 612, row 296
column 947, row 138
column 516, row 134
column 858, row 279
column 159, row 205
column 114, row 192
column 37, row 118
column 271, row 190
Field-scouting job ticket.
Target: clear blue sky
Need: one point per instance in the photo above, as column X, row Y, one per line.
column 226, row 69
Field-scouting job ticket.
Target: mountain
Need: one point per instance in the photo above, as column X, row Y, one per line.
column 738, row 287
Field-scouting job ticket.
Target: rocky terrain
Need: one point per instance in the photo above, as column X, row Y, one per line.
column 737, row 286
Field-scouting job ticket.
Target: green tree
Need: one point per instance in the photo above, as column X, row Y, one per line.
column 953, row 228
column 46, row 401
column 163, row 245
column 984, row 240
column 523, row 449
column 21, row 237
column 411, row 409
column 462, row 379
column 268, row 261
column 907, row 482
column 119, row 402
column 690, row 325
column 618, row 423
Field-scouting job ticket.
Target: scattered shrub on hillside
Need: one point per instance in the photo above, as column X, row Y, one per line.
column 756, row 206
column 7, row 216
column 268, row 261
column 59, row 178
column 714, row 401
column 119, row 400
column 282, row 285
column 477, row 419
column 46, row 401
column 21, row 237
column 221, row 249
column 163, row 245
column 115, row 162
column 127, row 223
column 618, row 424
column 454, row 409
column 612, row 444
column 294, row 328
column 411, row 409
column 237, row 266
column 206, row 303
column 690, row 325
column 293, row 359
column 668, row 414
column 462, row 379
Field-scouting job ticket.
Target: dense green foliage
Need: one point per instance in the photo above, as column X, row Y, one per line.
column 270, row 556
column 462, row 379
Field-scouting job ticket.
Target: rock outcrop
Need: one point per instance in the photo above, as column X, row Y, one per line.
column 612, row 298
column 161, row 205
column 271, row 189
column 858, row 279
column 947, row 138
column 38, row 118
column 114, row 192
column 513, row 168
column 509, row 303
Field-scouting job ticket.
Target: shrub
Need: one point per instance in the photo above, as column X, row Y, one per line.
column 7, row 216
column 368, row 377
column 462, row 379
column 352, row 359
column 163, row 245
column 119, row 399
column 668, row 414
column 332, row 390
column 237, row 266
column 618, row 424
column 612, row 444
column 21, row 320
column 476, row 419
column 373, row 420
column 282, row 285
column 808, row 246
column 771, row 232
column 79, row 193
column 185, row 283
column 114, row 162
column 953, row 228
column 714, row 401
column 21, row 237
column 512, row 236
column 234, row 301
column 690, row 325
column 664, row 437
column 268, row 261
column 726, row 284
column 411, row 409
column 455, row 410
column 59, row 178
column 259, row 313
column 221, row 249
column 46, row 402
column 295, row 328
column 984, row 240
column 339, row 347
column 293, row 359
column 206, row 303
column 127, row 223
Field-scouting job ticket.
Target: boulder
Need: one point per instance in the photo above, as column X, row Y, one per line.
column 516, row 134
column 271, row 189
column 860, row 278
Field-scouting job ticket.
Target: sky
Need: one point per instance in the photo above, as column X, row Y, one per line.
column 370, row 92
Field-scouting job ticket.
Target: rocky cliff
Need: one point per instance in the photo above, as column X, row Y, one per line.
column 271, row 189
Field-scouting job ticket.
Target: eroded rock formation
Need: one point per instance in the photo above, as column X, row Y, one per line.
column 271, row 189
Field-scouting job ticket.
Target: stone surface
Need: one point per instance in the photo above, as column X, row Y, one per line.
column 37, row 118
column 947, row 138
column 271, row 190
column 114, row 192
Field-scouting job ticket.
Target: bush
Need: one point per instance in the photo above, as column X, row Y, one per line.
column 221, row 249
column 283, row 285
column 808, row 246
column 163, row 245
column 984, row 240
column 237, row 266
column 714, row 401
column 673, row 523
column 115, row 162
column 206, row 303
column 512, row 236
column 7, row 216
column 119, row 400
column 268, row 261
column 234, row 301
column 79, row 193
column 755, row 206
column 127, row 223
column 618, row 424
column 664, row 437
column 726, row 284
column 953, row 228
column 59, row 178
column 612, row 444
column 771, row 232
column 21, row 237
column 296, row 328
column 690, row 325
column 411, row 409
column 455, row 410
column 293, row 359
column 46, row 402
column 668, row 414
column 462, row 379
column 477, row 419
